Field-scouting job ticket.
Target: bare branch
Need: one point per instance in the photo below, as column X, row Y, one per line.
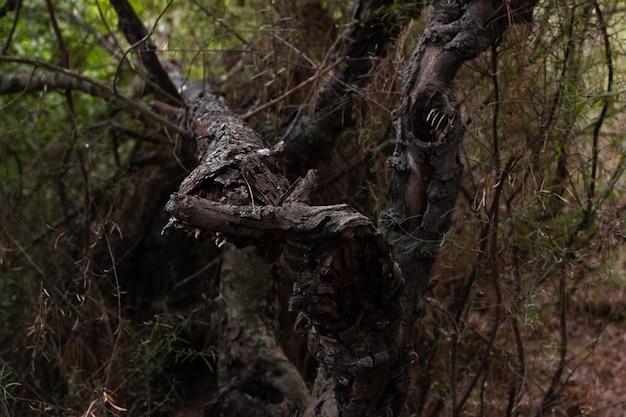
column 311, row 133
column 15, row 5
column 61, row 79
column 139, row 38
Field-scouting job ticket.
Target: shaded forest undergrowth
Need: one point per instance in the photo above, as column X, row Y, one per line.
column 102, row 315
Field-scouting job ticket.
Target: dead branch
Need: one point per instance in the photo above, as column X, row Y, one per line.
column 347, row 292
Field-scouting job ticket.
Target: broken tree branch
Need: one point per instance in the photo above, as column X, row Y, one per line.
column 348, row 289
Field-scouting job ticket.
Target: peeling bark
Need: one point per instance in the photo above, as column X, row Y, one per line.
column 347, row 292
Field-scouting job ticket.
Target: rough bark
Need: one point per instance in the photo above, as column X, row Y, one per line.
column 347, row 292
column 429, row 130
column 255, row 378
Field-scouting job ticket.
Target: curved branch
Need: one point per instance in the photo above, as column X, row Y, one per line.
column 347, row 292
column 429, row 130
column 10, row 5
column 139, row 38
column 311, row 133
column 61, row 79
column 64, row 55
column 608, row 56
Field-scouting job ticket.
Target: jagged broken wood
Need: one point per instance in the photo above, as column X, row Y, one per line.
column 348, row 289
column 346, row 293
column 291, row 222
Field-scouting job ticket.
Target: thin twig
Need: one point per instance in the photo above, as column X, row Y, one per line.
column 137, row 35
column 493, row 261
column 304, row 83
column 17, row 8
column 99, row 89
column 608, row 55
column 220, row 21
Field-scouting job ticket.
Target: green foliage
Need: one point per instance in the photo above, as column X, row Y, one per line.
column 163, row 347
column 7, row 384
column 95, row 301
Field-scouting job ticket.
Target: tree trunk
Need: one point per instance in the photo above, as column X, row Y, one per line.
column 255, row 378
column 347, row 293
column 429, row 131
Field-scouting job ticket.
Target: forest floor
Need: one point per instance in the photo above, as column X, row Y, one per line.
column 595, row 372
column 596, row 375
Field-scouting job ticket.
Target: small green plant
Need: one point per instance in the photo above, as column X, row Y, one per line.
column 6, row 385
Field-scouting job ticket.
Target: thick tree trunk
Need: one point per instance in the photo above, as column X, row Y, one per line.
column 255, row 378
column 348, row 290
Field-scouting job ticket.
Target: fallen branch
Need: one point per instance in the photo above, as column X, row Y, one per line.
column 348, row 290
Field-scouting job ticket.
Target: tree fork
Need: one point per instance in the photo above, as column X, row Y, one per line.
column 348, row 289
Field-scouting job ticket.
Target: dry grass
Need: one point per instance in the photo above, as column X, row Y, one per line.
column 101, row 315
